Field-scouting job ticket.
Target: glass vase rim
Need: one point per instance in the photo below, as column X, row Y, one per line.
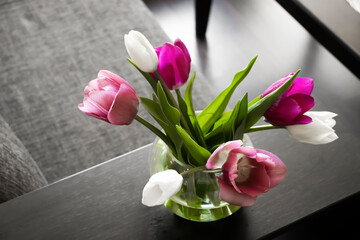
column 187, row 166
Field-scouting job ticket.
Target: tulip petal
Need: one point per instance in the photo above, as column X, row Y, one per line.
column 275, row 168
column 91, row 110
column 248, row 151
column 167, row 72
column 305, row 102
column 228, row 194
column 151, row 193
column 258, row 181
column 101, row 83
column 302, row 119
column 141, row 51
column 107, row 84
column 245, row 174
column 276, row 85
column 174, row 57
column 220, row 155
column 230, row 168
column 301, row 85
column 174, row 63
column 160, row 187
column 322, row 115
column 284, row 113
column 144, row 42
column 182, row 46
column 92, row 86
column 112, row 76
column 319, row 131
column 102, row 99
column 125, row 106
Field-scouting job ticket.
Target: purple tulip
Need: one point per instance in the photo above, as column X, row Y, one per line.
column 247, row 172
column 174, row 63
column 290, row 107
column 110, row 98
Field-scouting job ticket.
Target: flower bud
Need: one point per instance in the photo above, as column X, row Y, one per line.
column 319, row 131
column 141, row 51
column 290, row 107
column 174, row 63
column 161, row 187
column 110, row 98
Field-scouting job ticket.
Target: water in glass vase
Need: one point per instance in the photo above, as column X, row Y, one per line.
column 198, row 199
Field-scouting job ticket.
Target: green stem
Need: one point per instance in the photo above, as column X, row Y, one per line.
column 155, row 130
column 146, row 75
column 262, row 127
column 191, row 170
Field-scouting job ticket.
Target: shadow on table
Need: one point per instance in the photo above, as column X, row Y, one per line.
column 174, row 227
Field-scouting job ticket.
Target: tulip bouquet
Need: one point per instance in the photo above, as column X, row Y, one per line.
column 212, row 140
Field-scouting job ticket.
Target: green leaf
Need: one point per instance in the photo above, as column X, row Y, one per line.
column 156, row 131
column 215, row 138
column 215, row 133
column 155, row 99
column 237, row 117
column 199, row 154
column 191, row 112
column 188, row 96
column 171, row 113
column 214, row 110
column 255, row 100
column 156, row 112
column 153, row 108
column 229, row 126
column 257, row 110
column 240, row 125
column 184, row 113
column 223, row 119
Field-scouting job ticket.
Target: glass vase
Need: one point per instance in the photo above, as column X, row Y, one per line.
column 198, row 199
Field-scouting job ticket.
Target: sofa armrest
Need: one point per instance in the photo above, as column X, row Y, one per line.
column 19, row 173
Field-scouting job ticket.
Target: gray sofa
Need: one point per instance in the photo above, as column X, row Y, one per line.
column 49, row 50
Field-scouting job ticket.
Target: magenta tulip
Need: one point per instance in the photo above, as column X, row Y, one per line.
column 290, row 107
column 174, row 63
column 247, row 172
column 110, row 98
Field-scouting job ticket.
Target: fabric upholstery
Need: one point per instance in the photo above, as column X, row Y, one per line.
column 19, row 173
column 49, row 50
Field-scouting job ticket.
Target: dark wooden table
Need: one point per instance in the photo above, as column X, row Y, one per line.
column 334, row 24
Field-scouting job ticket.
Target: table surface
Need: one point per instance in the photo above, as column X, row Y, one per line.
column 340, row 18
column 104, row 202
column 334, row 23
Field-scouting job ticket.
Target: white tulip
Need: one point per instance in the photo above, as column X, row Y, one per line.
column 161, row 187
column 141, row 51
column 319, row 131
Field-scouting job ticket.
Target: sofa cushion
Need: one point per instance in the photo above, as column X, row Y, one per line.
column 49, row 52
column 19, row 173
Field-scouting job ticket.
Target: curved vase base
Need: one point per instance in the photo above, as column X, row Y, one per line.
column 201, row 214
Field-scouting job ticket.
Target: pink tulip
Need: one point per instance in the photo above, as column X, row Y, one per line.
column 110, row 98
column 247, row 173
column 290, row 107
column 174, row 63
